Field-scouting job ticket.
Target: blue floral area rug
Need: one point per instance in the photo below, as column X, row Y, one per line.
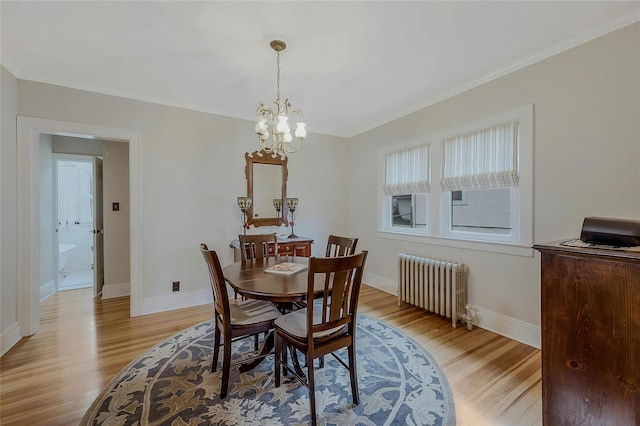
column 172, row 384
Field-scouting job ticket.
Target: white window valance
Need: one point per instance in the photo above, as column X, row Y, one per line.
column 407, row 171
column 482, row 159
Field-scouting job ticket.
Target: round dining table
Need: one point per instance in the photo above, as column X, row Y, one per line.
column 251, row 279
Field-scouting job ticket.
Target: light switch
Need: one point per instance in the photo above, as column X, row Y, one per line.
column 116, row 207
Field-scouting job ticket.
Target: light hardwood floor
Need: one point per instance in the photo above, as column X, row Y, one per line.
column 51, row 378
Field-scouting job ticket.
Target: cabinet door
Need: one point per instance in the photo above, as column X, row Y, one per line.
column 590, row 343
column 302, row 250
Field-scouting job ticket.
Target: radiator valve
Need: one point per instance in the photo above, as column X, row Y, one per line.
column 468, row 317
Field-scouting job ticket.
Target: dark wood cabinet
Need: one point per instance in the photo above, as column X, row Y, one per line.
column 294, row 247
column 590, row 336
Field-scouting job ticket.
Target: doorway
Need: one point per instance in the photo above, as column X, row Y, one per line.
column 76, row 203
column 29, row 131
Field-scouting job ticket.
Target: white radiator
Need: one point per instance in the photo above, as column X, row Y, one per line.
column 439, row 286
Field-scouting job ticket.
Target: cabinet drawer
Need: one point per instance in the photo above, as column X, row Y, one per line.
column 285, row 249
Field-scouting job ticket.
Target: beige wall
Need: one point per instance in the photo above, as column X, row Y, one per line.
column 586, row 162
column 116, row 223
column 76, row 146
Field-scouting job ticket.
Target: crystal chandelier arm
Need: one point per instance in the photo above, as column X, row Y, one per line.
column 264, row 110
column 287, row 146
column 297, row 112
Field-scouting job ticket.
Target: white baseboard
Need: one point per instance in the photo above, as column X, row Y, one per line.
column 512, row 328
column 47, row 289
column 10, row 337
column 115, row 290
column 389, row 286
column 177, row 300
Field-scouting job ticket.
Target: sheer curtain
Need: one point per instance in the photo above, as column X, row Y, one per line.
column 407, row 171
column 482, row 159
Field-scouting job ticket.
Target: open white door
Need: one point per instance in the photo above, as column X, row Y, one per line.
column 98, row 228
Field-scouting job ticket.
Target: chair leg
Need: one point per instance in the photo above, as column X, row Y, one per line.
column 256, row 342
column 353, row 373
column 312, row 392
column 216, row 349
column 226, row 366
column 278, row 354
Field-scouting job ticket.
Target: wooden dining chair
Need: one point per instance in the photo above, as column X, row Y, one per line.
column 322, row 329
column 337, row 246
column 257, row 246
column 340, row 246
column 234, row 320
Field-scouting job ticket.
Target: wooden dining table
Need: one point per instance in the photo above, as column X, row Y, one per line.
column 249, row 279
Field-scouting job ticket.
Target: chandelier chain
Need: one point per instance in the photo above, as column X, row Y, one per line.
column 278, row 75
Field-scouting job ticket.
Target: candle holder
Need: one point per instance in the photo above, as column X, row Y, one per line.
column 277, row 203
column 244, row 203
column 292, row 203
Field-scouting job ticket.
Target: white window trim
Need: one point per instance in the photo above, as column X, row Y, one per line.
column 438, row 202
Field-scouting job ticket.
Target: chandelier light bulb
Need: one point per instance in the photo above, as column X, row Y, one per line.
column 287, row 138
column 301, row 132
column 282, row 126
column 261, row 125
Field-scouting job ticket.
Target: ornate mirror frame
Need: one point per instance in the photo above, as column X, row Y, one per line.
column 264, row 158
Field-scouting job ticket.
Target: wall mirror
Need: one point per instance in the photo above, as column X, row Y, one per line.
column 267, row 186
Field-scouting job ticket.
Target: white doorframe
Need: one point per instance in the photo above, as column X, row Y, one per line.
column 29, row 131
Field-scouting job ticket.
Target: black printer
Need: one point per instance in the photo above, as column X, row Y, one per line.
column 612, row 232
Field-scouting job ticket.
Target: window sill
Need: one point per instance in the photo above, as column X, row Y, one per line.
column 502, row 248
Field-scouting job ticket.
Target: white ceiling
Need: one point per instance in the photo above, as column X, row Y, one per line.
column 350, row 66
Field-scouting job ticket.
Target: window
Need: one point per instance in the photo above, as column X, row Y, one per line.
column 406, row 186
column 482, row 164
column 402, row 210
column 409, row 211
column 484, row 195
column 485, row 211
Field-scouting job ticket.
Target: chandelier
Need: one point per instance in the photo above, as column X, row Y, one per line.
column 278, row 120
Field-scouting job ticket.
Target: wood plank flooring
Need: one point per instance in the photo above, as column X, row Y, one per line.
column 51, row 378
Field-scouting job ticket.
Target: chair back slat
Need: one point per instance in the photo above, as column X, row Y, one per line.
column 341, row 278
column 257, row 246
column 340, row 246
